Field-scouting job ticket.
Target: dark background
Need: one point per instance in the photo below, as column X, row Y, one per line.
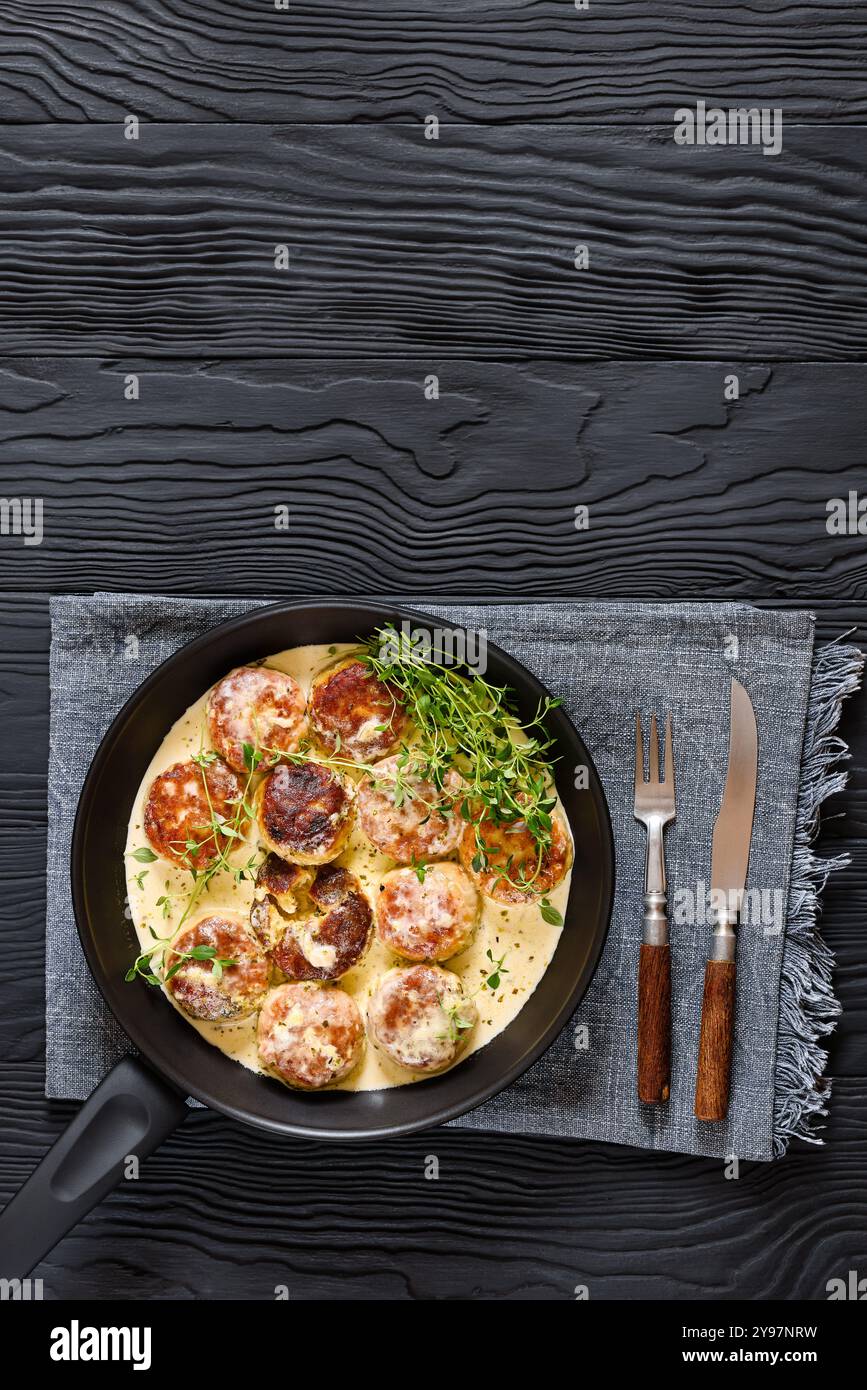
column 558, row 387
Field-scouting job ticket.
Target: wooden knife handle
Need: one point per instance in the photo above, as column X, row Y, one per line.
column 654, row 1023
column 715, row 1044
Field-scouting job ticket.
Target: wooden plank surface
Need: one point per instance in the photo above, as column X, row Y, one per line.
column 689, row 495
column 225, row 1212
column 514, row 1218
column 467, row 60
column 24, row 641
column 461, row 247
column 557, row 387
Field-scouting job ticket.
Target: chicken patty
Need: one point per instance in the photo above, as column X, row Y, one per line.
column 418, row 823
column 305, row 812
column 310, row 1035
column 512, row 850
column 428, row 920
column 420, row 1016
column 256, row 706
column 178, row 810
column 330, row 936
column 356, row 714
column 223, row 992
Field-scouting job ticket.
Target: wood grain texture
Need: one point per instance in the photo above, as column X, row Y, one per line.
column 225, row 1212
column 460, row 247
column 715, row 1041
column 411, row 257
column 654, row 1024
column 24, row 692
column 515, row 1218
column 472, row 494
column 466, row 60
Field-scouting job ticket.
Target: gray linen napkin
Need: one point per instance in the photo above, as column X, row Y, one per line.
column 605, row 660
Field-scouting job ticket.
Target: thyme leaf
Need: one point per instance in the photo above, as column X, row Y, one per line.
column 463, row 723
column 550, row 914
column 143, row 855
column 493, row 980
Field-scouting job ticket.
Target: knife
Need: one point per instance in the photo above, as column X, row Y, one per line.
column 729, row 861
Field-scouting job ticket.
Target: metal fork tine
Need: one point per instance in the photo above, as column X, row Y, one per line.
column 639, row 754
column 669, row 754
column 654, row 750
column 654, row 795
column 654, row 807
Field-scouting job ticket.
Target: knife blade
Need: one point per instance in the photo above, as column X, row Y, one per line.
column 730, row 857
column 733, row 830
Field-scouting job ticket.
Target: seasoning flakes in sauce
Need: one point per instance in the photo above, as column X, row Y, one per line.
column 529, row 941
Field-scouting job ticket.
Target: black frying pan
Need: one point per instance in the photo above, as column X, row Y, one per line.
column 142, row 1099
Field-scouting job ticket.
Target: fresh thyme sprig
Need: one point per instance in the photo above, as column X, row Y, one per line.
column 400, row 785
column 224, row 835
column 465, row 724
column 143, row 965
column 499, row 969
column 550, row 913
column 420, row 867
column 462, row 724
column 456, row 1024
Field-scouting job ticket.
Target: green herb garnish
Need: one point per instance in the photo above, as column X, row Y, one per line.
column 465, row 724
column 550, row 914
column 223, row 835
column 493, row 980
column 143, row 966
column 456, row 1023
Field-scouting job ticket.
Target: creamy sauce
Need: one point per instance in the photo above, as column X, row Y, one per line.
column 516, row 931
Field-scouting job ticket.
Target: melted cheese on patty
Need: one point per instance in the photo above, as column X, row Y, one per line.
column 516, row 931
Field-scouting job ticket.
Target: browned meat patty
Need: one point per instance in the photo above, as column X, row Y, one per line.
column 229, row 994
column 512, row 849
column 355, row 714
column 280, row 889
column 325, row 934
column 260, row 707
column 178, row 811
column 310, row 1035
column 325, row 947
column 305, row 812
column 426, row 825
column 420, row 1016
column 428, row 920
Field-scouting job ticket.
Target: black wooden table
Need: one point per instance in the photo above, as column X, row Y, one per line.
column 427, row 381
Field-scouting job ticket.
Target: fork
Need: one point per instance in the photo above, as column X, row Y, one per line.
column 654, row 807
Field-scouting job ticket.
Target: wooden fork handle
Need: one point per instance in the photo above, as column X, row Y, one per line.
column 654, row 1023
column 715, row 1043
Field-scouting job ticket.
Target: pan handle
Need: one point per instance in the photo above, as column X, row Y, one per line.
column 131, row 1112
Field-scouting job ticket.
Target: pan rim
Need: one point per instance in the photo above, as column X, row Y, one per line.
column 440, row 1112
